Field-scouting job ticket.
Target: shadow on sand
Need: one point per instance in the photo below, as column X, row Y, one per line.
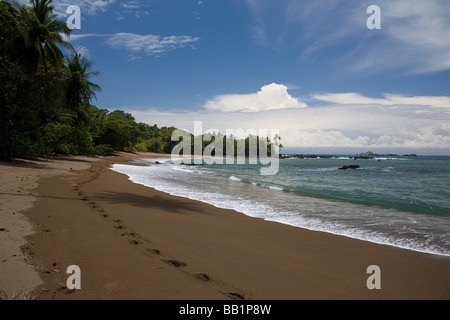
column 174, row 204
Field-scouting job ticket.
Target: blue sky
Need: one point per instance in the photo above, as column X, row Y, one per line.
column 311, row 69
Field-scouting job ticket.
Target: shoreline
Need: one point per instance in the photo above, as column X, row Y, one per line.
column 375, row 238
column 134, row 242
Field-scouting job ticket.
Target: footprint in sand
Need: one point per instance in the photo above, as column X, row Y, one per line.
column 128, row 234
column 65, row 290
column 203, row 276
column 235, row 296
column 135, row 242
column 176, row 263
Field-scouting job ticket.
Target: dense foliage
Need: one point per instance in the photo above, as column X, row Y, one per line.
column 46, row 97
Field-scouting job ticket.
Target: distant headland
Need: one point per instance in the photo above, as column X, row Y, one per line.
column 363, row 155
column 371, row 155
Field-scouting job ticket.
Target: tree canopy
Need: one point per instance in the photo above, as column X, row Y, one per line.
column 47, row 94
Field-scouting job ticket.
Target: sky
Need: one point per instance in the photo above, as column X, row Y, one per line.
column 311, row 69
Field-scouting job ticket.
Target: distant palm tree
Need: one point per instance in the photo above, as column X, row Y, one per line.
column 80, row 90
column 43, row 34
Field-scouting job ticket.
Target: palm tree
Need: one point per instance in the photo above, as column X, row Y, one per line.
column 79, row 90
column 43, row 35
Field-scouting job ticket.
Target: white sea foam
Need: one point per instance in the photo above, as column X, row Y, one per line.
column 390, row 158
column 259, row 200
column 180, row 168
column 275, row 188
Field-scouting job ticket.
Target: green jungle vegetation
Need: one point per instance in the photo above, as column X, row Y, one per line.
column 47, row 95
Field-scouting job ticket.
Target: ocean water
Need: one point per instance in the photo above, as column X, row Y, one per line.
column 397, row 201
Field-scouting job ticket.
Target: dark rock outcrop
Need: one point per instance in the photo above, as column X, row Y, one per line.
column 353, row 166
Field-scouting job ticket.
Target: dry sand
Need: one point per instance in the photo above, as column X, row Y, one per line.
column 17, row 180
column 133, row 242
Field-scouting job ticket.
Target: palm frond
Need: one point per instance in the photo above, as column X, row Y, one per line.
column 22, row 295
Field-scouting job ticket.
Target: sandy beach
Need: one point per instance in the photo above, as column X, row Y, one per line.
column 133, row 242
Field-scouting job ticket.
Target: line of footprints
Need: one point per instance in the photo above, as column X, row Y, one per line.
column 141, row 244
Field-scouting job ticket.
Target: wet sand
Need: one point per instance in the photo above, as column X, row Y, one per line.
column 133, row 242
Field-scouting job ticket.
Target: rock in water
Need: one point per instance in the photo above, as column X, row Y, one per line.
column 353, row 166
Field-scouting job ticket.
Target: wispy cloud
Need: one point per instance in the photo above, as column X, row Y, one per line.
column 83, row 50
column 150, row 45
column 415, row 35
column 131, row 5
column 138, row 45
column 133, row 9
column 389, row 99
column 123, row 9
column 89, row 7
column 76, row 37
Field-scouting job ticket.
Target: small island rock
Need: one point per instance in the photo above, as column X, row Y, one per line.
column 353, row 166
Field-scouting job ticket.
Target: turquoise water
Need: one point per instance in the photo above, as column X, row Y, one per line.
column 397, row 201
column 415, row 184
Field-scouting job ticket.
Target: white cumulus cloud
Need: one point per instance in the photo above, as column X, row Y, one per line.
column 350, row 121
column 271, row 97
